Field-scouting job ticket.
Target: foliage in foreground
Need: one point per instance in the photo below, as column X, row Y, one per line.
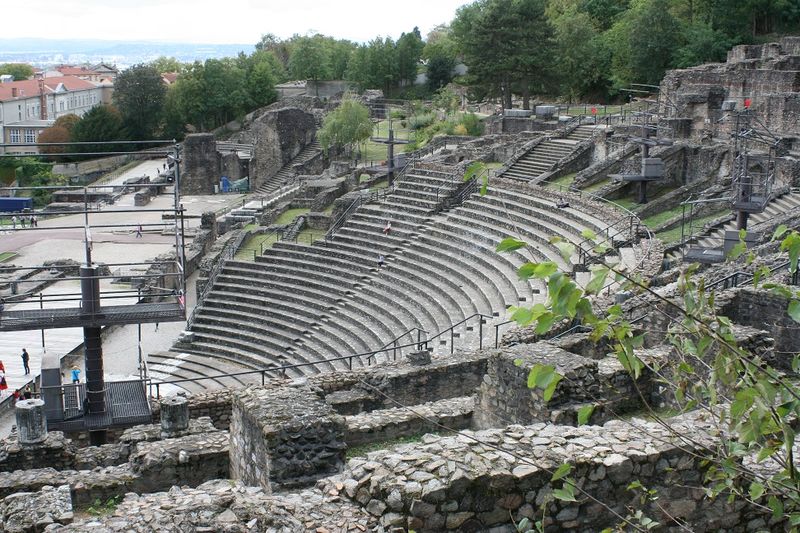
column 755, row 404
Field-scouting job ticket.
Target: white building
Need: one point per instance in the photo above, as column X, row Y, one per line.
column 29, row 106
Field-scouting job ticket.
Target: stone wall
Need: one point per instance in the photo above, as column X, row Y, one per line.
column 153, row 466
column 200, row 164
column 278, row 136
column 215, row 404
column 768, row 74
column 389, row 424
column 284, row 437
column 505, row 398
column 478, row 480
column 762, row 309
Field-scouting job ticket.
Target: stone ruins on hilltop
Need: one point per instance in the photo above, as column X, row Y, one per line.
column 299, row 366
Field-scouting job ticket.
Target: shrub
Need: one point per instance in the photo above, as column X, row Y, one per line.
column 472, row 124
column 423, row 120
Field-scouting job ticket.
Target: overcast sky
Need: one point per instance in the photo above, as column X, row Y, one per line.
column 220, row 21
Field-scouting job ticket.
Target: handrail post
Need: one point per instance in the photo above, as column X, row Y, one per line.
column 496, row 335
column 263, row 378
column 480, row 332
column 452, row 339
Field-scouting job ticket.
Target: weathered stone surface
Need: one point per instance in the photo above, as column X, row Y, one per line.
column 285, row 437
column 30, row 512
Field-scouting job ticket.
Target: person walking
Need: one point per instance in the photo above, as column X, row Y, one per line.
column 139, row 232
column 25, row 359
column 76, row 375
column 387, row 228
column 380, row 261
column 33, row 221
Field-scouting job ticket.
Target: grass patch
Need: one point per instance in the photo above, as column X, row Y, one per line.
column 597, row 186
column 564, row 181
column 660, row 218
column 254, row 245
column 364, row 177
column 380, row 185
column 328, row 210
column 363, row 449
column 6, row 256
column 290, row 214
column 674, row 235
column 627, row 203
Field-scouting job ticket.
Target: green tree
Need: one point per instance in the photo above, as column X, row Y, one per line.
column 166, row 64
column 280, row 49
column 642, row 43
column 702, row 44
column 139, row 94
column 374, row 65
column 506, row 44
column 20, row 71
column 102, row 123
column 309, row 60
column 261, row 85
column 440, row 54
column 582, row 58
column 409, row 52
column 345, row 126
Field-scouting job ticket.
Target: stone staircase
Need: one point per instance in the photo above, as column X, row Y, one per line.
column 544, row 157
column 302, row 303
column 778, row 207
column 270, row 185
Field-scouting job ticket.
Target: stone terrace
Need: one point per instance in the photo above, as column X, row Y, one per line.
column 303, row 304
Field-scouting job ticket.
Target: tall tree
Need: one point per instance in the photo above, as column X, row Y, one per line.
column 582, row 58
column 309, row 59
column 506, row 43
column 102, row 123
column 440, row 54
column 139, row 94
column 409, row 52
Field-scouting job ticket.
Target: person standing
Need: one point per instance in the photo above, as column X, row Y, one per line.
column 76, row 375
column 387, row 228
column 139, row 232
column 380, row 261
column 27, row 393
column 25, row 359
column 14, row 222
column 3, row 382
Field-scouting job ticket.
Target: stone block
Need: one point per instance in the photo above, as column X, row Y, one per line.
column 284, row 437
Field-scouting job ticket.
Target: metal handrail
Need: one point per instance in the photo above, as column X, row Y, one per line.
column 390, row 346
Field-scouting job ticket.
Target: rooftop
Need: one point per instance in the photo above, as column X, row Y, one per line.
column 31, row 88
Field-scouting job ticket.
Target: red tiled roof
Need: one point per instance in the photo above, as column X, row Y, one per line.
column 30, row 88
column 68, row 70
column 169, row 77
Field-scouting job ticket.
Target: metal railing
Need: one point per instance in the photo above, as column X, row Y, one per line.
column 392, row 346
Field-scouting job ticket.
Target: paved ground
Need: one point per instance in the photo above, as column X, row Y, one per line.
column 110, row 245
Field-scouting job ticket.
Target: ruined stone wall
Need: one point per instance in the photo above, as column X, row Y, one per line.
column 200, row 164
column 764, row 309
column 215, row 404
column 284, row 437
column 505, row 398
column 278, row 136
column 482, row 479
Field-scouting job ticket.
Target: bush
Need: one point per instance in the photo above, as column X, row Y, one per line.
column 397, row 114
column 423, row 120
column 460, row 130
column 472, row 124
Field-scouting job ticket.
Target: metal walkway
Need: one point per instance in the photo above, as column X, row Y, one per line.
column 27, row 319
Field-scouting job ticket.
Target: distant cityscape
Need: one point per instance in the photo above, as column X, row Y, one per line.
column 123, row 54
